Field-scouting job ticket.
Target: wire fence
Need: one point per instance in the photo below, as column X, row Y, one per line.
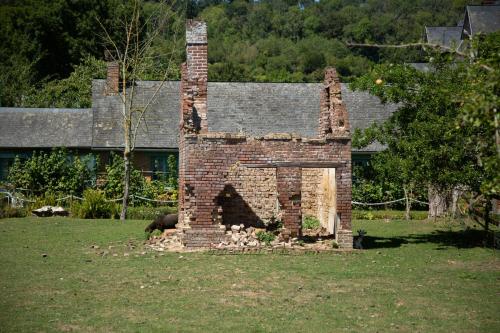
column 387, row 202
column 14, row 200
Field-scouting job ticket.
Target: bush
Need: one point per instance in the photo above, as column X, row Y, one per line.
column 148, row 213
column 94, row 206
column 7, row 211
column 113, row 187
column 54, row 172
column 265, row 237
column 387, row 214
column 310, row 222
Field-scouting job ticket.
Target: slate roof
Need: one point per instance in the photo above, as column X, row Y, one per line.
column 253, row 108
column 160, row 128
column 481, row 19
column 262, row 108
column 44, row 128
column 445, row 36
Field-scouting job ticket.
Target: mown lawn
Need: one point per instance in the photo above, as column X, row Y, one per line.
column 415, row 277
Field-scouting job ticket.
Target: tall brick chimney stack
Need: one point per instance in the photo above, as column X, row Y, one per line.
column 197, row 69
column 333, row 119
column 112, row 74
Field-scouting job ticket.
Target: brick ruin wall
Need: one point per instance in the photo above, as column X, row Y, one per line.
column 218, row 181
column 232, row 178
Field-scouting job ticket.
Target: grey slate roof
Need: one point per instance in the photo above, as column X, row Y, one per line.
column 445, row 36
column 160, row 128
column 262, row 108
column 253, row 108
column 481, row 19
column 44, row 128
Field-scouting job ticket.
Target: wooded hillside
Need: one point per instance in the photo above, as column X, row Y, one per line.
column 50, row 49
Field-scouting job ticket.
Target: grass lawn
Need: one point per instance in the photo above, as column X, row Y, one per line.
column 415, row 277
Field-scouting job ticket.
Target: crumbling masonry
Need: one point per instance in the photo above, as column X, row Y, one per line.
column 232, row 178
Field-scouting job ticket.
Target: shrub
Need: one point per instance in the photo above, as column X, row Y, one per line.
column 387, row 214
column 53, row 172
column 156, row 233
column 148, row 213
column 310, row 222
column 7, row 211
column 94, row 206
column 265, row 237
column 155, row 190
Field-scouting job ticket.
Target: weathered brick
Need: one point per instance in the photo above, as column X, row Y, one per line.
column 217, row 176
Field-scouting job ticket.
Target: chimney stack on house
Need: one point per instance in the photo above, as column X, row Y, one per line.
column 112, row 74
column 196, row 72
column 333, row 120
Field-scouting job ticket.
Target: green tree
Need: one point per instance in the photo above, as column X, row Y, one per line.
column 425, row 134
column 72, row 92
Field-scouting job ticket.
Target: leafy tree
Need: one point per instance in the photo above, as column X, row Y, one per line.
column 72, row 92
column 481, row 116
column 425, row 135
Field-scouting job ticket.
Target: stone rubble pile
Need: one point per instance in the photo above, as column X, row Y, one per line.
column 168, row 241
column 238, row 237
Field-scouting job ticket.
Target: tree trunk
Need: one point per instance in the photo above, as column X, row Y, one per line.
column 455, row 195
column 407, row 203
column 438, row 202
column 487, row 215
column 126, row 185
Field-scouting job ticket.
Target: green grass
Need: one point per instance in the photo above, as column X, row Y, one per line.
column 415, row 277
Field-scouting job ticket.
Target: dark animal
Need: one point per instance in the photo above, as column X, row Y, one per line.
column 163, row 222
column 358, row 241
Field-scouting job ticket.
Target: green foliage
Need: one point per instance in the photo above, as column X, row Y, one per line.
column 387, row 214
column 480, row 111
column 148, row 213
column 113, row 187
column 46, row 199
column 310, row 222
column 155, row 233
column 265, row 237
column 94, row 206
column 72, row 92
column 172, row 169
column 434, row 139
column 55, row 172
column 7, row 211
column 159, row 189
column 271, row 41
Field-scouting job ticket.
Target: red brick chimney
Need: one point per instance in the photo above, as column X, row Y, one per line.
column 112, row 74
column 333, row 119
column 197, row 70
